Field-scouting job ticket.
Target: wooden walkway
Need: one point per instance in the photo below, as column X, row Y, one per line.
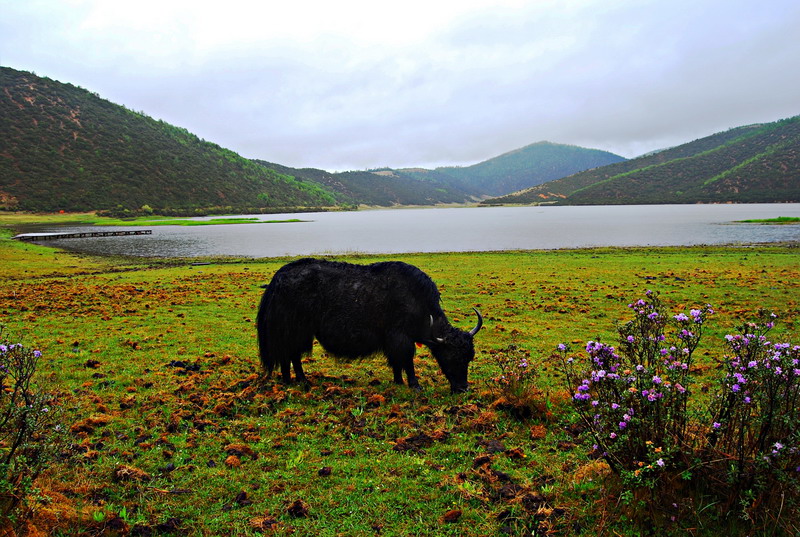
column 31, row 237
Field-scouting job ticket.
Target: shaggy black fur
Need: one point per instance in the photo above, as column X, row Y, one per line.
column 359, row 310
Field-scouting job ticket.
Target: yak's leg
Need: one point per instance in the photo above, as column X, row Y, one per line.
column 412, row 377
column 298, row 369
column 398, row 374
column 298, row 348
column 286, row 371
column 400, row 353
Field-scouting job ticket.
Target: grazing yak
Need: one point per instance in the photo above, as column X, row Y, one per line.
column 356, row 311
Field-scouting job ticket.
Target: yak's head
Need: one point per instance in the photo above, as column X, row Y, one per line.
column 453, row 350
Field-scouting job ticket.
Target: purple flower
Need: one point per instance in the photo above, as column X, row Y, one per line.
column 656, row 379
column 717, row 425
column 681, row 317
column 622, row 425
column 631, row 339
column 735, row 388
column 660, row 462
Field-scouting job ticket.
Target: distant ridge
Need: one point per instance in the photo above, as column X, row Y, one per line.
column 383, row 188
column 529, row 166
column 754, row 163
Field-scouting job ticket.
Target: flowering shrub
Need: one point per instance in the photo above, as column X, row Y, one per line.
column 633, row 398
column 26, row 425
column 635, row 401
column 755, row 428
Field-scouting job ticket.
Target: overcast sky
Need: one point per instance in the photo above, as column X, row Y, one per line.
column 351, row 84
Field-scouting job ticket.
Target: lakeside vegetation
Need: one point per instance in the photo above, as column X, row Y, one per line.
column 781, row 220
column 11, row 219
column 170, row 429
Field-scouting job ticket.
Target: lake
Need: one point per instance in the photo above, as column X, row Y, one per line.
column 451, row 229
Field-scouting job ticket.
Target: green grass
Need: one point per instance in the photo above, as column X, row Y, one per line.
column 183, row 222
column 779, row 220
column 10, row 219
column 110, row 328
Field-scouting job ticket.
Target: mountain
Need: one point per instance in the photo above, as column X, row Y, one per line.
column 528, row 166
column 64, row 148
column 754, row 163
column 506, row 173
column 384, row 187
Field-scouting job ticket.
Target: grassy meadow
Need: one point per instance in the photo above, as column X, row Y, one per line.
column 171, row 429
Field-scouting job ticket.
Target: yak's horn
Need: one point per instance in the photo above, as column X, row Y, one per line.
column 477, row 326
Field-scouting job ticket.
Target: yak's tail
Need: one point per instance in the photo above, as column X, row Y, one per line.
column 267, row 358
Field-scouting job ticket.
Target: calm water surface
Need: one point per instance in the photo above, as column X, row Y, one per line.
column 453, row 229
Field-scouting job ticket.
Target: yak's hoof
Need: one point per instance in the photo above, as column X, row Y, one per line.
column 415, row 387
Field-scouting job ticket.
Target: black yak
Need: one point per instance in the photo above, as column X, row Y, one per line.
column 356, row 311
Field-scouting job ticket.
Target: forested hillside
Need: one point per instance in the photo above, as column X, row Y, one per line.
column 64, row 148
column 756, row 163
column 383, row 187
column 506, row 173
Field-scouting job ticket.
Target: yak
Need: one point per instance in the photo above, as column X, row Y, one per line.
column 356, row 311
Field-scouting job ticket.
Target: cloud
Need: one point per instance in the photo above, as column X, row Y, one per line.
column 357, row 84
